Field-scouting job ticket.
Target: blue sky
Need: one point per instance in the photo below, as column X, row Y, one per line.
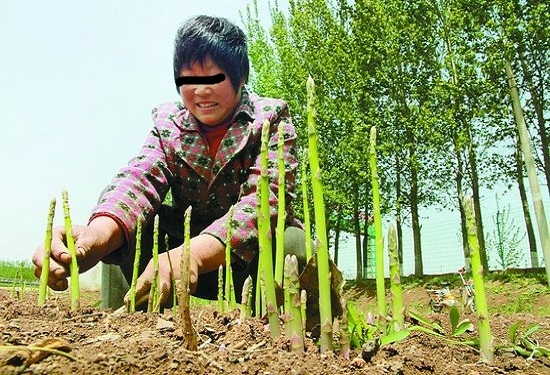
column 78, row 80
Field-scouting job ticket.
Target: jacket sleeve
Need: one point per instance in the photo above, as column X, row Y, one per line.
column 139, row 187
column 244, row 231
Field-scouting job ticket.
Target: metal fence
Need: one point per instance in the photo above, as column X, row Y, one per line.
column 507, row 244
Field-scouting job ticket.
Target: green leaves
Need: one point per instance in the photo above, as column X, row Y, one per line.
column 458, row 327
column 359, row 330
column 524, row 344
column 433, row 327
column 429, row 75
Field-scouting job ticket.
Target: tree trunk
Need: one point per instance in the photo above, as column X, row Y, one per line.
column 337, row 230
column 398, row 218
column 531, row 170
column 537, row 96
column 477, row 206
column 418, row 265
column 525, row 205
column 365, row 242
column 328, row 224
column 460, row 196
column 357, row 232
column 537, row 104
column 471, row 157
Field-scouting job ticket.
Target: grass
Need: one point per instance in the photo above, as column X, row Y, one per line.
column 508, row 293
column 519, row 292
column 17, row 270
column 197, row 302
column 14, row 270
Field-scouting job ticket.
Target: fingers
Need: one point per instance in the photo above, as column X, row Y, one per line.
column 58, row 284
column 143, row 286
column 57, row 272
column 59, row 249
column 60, row 258
column 92, row 244
column 165, row 292
column 175, row 255
column 84, row 241
column 86, row 256
column 81, row 251
column 57, row 275
column 144, row 283
column 143, row 289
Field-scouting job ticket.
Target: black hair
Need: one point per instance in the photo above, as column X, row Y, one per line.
column 203, row 36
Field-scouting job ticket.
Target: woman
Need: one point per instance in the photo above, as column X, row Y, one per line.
column 205, row 150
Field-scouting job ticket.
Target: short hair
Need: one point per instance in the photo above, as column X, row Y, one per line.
column 203, row 36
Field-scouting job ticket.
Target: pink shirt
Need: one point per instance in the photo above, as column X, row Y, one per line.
column 175, row 155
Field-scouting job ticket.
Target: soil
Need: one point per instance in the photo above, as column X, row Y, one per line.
column 98, row 341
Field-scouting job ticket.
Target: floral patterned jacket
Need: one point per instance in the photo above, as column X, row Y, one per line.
column 175, row 156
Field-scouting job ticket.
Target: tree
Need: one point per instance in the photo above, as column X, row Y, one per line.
column 505, row 240
column 428, row 75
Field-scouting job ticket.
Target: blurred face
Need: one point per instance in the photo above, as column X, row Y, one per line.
column 210, row 103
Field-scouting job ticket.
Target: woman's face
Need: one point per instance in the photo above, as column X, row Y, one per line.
column 211, row 104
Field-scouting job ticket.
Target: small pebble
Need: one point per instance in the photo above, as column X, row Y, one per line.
column 100, row 357
column 358, row 362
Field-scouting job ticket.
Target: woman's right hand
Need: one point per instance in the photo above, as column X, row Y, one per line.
column 92, row 243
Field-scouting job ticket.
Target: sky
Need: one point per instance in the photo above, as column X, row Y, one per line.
column 78, row 80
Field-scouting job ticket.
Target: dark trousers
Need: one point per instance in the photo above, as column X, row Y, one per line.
column 207, row 285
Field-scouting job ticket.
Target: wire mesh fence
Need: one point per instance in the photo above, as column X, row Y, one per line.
column 506, row 241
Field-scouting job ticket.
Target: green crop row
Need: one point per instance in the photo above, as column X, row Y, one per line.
column 17, row 270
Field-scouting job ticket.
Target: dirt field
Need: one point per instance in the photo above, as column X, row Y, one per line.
column 101, row 342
